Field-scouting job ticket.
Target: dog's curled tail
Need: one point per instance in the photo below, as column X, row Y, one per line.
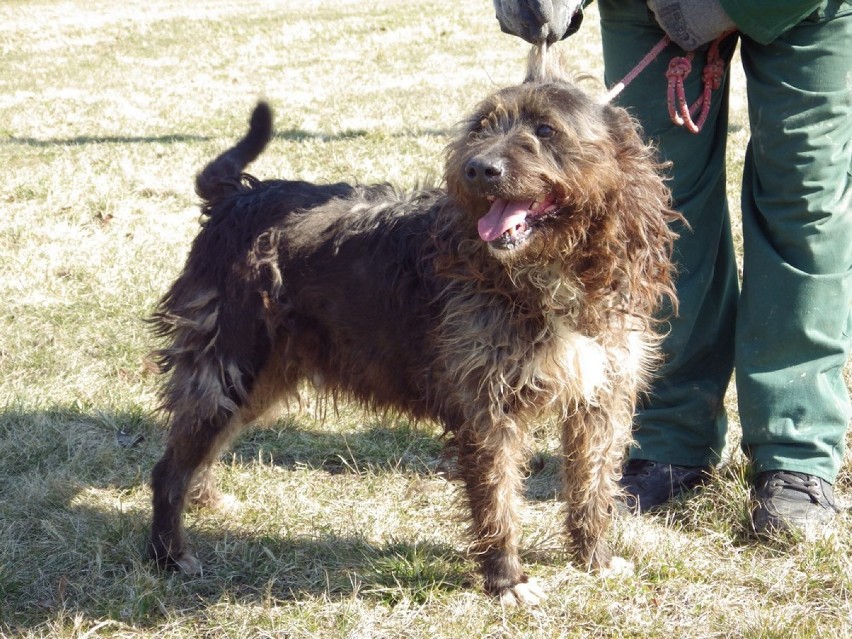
column 222, row 175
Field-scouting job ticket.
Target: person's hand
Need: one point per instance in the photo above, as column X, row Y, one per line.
column 691, row 23
column 538, row 21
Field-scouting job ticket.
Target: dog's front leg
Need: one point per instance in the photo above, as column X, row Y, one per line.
column 489, row 462
column 593, row 442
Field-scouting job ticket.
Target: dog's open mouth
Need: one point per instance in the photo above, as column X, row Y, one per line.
column 509, row 224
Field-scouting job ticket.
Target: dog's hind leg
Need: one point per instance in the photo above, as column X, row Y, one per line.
column 271, row 386
column 490, row 465
column 203, row 424
column 184, row 472
column 216, row 350
column 593, row 443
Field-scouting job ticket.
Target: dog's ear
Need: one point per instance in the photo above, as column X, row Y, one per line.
column 545, row 64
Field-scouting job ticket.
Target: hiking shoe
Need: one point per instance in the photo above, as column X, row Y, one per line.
column 791, row 502
column 647, row 484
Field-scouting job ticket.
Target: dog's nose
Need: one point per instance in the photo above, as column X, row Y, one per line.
column 485, row 170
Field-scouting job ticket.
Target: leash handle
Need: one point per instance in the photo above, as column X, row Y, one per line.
column 679, row 68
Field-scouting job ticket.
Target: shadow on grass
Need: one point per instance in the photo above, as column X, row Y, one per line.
column 294, row 135
column 380, row 446
column 112, row 579
column 82, row 140
column 376, row 446
column 272, row 569
column 74, row 522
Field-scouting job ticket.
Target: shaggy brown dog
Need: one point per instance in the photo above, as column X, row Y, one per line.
column 526, row 287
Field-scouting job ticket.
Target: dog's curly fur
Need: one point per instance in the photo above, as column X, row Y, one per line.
column 395, row 299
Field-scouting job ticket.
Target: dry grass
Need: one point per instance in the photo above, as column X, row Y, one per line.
column 107, row 110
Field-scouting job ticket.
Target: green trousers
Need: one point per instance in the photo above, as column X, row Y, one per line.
column 788, row 332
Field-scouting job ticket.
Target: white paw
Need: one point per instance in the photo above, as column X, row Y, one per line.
column 618, row 567
column 189, row 565
column 525, row 594
column 227, row 503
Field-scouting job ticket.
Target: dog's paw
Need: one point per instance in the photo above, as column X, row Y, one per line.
column 183, row 562
column 187, row 564
column 528, row 593
column 214, row 501
column 226, row 503
column 617, row 567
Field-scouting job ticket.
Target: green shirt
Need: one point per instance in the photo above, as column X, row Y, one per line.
column 765, row 20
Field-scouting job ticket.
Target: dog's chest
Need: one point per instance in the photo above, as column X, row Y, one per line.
column 530, row 363
column 569, row 364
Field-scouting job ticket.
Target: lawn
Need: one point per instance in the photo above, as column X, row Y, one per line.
column 345, row 529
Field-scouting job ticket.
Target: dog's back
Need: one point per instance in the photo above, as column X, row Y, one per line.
column 357, row 292
column 325, row 277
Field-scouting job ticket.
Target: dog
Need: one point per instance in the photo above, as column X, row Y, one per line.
column 526, row 286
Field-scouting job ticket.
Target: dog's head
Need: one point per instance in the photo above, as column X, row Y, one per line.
column 533, row 155
column 551, row 180
column 536, row 165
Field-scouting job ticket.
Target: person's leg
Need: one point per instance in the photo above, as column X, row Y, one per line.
column 683, row 421
column 794, row 327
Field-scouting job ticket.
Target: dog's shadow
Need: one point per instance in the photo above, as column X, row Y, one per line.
column 380, row 446
column 331, row 565
column 95, row 464
column 244, row 568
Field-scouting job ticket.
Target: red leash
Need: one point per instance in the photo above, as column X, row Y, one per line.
column 639, row 68
column 679, row 68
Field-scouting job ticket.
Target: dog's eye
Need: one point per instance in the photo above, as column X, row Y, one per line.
column 545, row 131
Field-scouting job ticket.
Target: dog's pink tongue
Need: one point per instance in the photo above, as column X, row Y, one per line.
column 501, row 217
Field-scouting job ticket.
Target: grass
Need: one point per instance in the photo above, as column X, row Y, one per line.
column 107, row 110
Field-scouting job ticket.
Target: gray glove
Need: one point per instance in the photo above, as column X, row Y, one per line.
column 538, row 21
column 691, row 23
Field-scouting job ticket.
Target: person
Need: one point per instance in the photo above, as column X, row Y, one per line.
column 788, row 330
